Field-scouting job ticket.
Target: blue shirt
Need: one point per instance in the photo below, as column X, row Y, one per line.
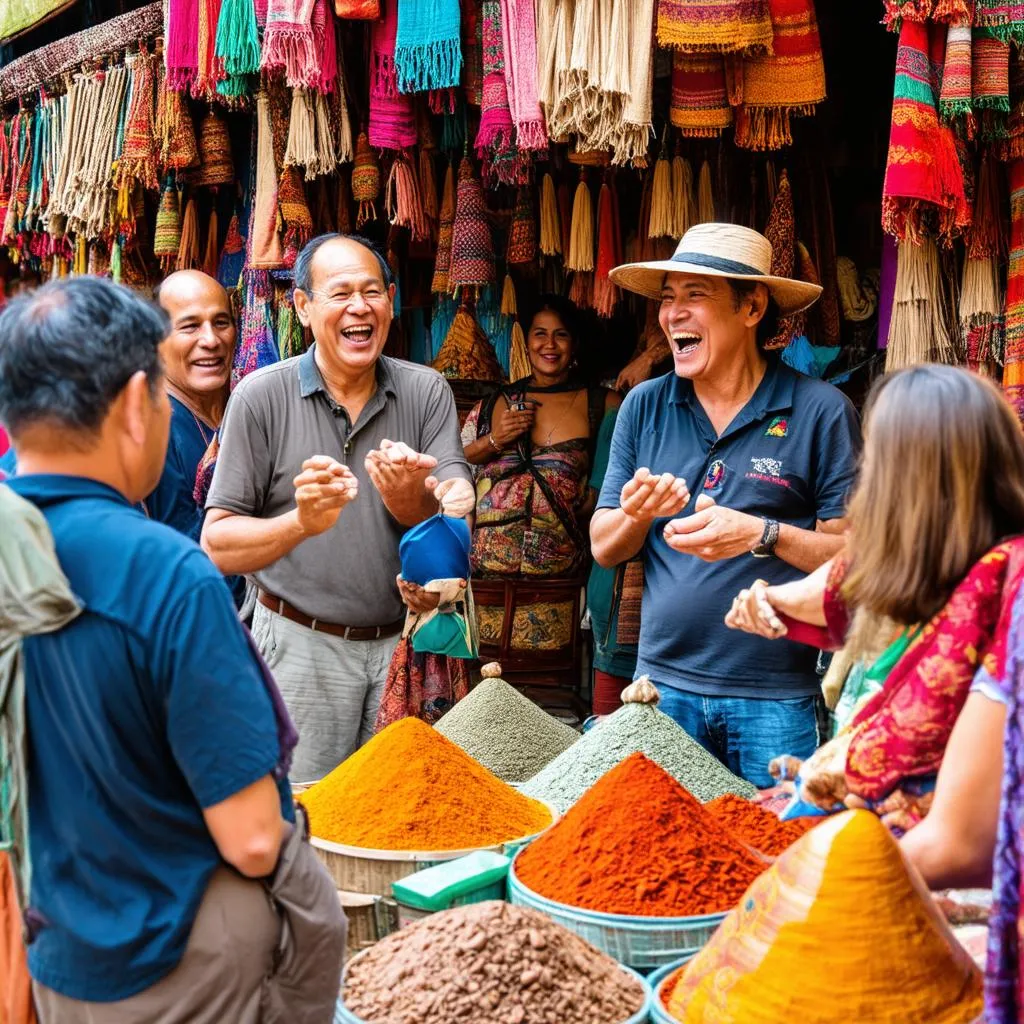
column 790, row 454
column 146, row 709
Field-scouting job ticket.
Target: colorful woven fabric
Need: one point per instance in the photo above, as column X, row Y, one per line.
column 522, row 235
column 421, row 685
column 721, row 26
column 392, row 114
column 216, row 166
column 181, row 52
column 443, row 261
column 990, row 82
column 788, row 82
column 466, row 353
column 365, row 181
column 923, row 172
column 1006, row 17
column 519, row 36
column 17, row 16
column 140, row 154
column 472, row 246
column 178, row 150
column 298, row 221
column 1012, row 146
column 700, row 103
column 167, row 235
column 289, row 43
column 953, row 12
column 1013, row 354
column 495, row 115
column 428, row 50
column 781, row 232
column 955, row 97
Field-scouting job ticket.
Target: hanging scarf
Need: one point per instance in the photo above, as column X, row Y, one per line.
column 140, row 155
column 495, row 116
column 788, row 82
column 392, row 114
column 472, row 52
column 211, row 67
column 263, row 237
column 609, row 250
column 1013, row 355
column 181, row 52
column 1004, row 17
column 990, row 82
column 289, row 42
column 781, row 232
column 700, row 103
column 923, row 169
column 443, row 261
column 519, row 36
column 1012, row 146
column 955, row 97
column 631, row 139
column 472, row 262
column 428, row 51
column 237, row 45
column 326, row 43
column 721, row 26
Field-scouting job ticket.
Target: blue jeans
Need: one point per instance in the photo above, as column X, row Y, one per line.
column 745, row 733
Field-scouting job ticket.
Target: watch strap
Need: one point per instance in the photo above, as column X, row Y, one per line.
column 769, row 538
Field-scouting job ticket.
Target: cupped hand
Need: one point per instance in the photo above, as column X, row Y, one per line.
column 648, row 496
column 322, row 490
column 394, row 466
column 714, row 532
column 752, row 612
column 417, row 599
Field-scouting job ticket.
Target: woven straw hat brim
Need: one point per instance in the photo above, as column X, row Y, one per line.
column 648, row 278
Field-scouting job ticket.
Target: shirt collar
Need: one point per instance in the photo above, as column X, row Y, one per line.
column 773, row 394
column 311, row 381
column 44, row 489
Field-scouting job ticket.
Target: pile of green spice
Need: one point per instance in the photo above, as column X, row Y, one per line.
column 505, row 731
column 634, row 728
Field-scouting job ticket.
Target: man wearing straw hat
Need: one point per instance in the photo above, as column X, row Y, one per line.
column 734, row 466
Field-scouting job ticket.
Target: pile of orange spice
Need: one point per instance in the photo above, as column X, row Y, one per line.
column 638, row 843
column 757, row 827
column 409, row 788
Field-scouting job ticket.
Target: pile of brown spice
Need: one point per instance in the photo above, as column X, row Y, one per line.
column 489, row 963
column 757, row 827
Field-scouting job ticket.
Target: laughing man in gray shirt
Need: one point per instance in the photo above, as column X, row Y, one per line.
column 325, row 460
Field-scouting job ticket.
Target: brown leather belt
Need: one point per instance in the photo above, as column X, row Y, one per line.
column 285, row 610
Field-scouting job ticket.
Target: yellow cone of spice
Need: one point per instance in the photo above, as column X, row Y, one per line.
column 409, row 788
column 838, row 930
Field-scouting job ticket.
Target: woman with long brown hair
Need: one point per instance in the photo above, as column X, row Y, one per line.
column 922, row 592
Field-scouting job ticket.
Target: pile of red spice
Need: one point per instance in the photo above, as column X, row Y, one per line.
column 638, row 843
column 757, row 827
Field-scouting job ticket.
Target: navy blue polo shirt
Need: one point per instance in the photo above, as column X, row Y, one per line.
column 143, row 711
column 790, row 454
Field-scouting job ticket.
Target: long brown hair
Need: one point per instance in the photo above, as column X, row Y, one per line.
column 941, row 483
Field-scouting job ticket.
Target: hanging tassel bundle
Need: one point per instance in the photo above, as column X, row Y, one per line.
column 237, row 45
column 178, row 149
column 663, row 213
column 919, row 332
column 140, row 155
column 682, row 196
column 265, row 243
column 705, row 197
column 609, row 252
column 298, row 221
column 209, row 263
column 519, row 361
column 550, row 229
column 167, row 234
column 581, row 238
column 343, row 144
column 428, row 188
column 522, row 235
column 781, row 232
column 564, row 215
column 188, row 245
column 365, row 181
column 467, row 354
column 403, row 201
column 306, row 148
column 440, row 285
column 472, row 263
column 216, row 166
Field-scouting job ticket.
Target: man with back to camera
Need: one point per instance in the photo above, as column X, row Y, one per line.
column 291, row 502
column 166, row 860
column 771, row 455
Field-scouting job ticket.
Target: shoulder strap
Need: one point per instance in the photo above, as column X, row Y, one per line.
column 595, row 413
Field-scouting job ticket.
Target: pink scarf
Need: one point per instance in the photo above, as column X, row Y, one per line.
column 182, row 50
column 392, row 115
column 495, row 116
column 289, row 42
column 326, row 43
column 519, row 36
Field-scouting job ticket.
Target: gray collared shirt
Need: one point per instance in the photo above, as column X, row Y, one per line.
column 282, row 415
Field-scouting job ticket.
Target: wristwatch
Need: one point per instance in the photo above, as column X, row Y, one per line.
column 769, row 538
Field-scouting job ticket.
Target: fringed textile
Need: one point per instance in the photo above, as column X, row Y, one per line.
column 519, row 36
column 720, row 26
column 550, row 230
column 188, row 246
column 237, row 45
column 923, row 171
column 580, row 251
column 178, row 148
column 630, row 140
column 788, row 82
column 403, row 201
column 140, row 154
column 264, row 240
column 1005, row 17
column 496, row 126
column 955, row 96
column 781, row 232
column 365, row 181
column 1013, row 352
column 289, row 43
column 609, row 251
column 440, row 285
column 472, row 261
column 990, row 82
column 392, row 114
column 256, row 345
column 428, row 49
column 700, row 103
column 325, row 39
column 181, row 50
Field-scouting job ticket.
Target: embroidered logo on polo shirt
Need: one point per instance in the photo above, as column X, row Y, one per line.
column 715, row 475
column 768, row 470
column 779, row 427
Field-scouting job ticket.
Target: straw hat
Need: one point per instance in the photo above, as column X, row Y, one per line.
column 719, row 250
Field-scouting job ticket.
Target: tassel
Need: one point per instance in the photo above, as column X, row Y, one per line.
column 663, row 218
column 606, row 294
column 581, row 239
column 443, row 260
column 188, row 248
column 237, row 42
column 403, row 202
column 581, row 292
column 301, row 149
column 344, row 145
column 428, row 189
column 564, row 216
column 550, row 231
column 705, row 198
column 682, row 196
column 326, row 154
column 210, row 257
column 519, row 361
column 365, row 181
column 81, row 263
column 522, row 235
column 918, row 331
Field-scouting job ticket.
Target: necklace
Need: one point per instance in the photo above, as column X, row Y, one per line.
column 207, row 440
column 568, row 409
